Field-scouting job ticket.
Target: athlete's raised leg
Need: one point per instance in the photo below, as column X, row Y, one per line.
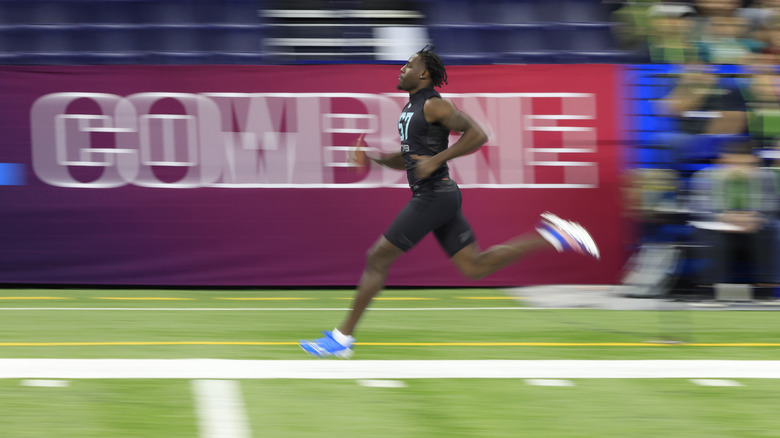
column 476, row 264
column 552, row 232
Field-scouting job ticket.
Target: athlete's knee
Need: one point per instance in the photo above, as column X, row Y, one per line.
column 471, row 269
column 373, row 258
column 376, row 261
column 467, row 260
column 381, row 255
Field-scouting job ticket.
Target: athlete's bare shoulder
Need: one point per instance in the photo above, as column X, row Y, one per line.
column 437, row 109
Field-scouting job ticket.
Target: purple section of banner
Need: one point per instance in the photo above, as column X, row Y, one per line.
column 236, row 176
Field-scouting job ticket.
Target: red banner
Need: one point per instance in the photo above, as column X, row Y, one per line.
column 215, row 175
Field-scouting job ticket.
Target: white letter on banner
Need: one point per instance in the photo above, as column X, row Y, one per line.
column 565, row 140
column 509, row 140
column 190, row 140
column 61, row 140
column 377, row 122
column 277, row 142
column 299, row 158
column 242, row 149
column 482, row 167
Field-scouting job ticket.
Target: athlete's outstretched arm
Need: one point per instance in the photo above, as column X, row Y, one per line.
column 445, row 113
column 392, row 160
column 358, row 155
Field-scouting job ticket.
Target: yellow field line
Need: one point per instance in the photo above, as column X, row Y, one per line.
column 490, row 298
column 396, row 298
column 403, row 344
column 405, row 298
column 263, row 298
column 565, row 344
column 145, row 298
column 36, row 298
column 88, row 344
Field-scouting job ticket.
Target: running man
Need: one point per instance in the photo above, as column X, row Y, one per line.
column 435, row 206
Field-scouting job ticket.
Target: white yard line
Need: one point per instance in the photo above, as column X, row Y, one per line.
column 382, row 383
column 385, row 369
column 220, row 409
column 46, row 383
column 715, row 382
column 549, row 382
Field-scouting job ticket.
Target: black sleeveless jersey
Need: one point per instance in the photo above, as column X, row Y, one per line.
column 418, row 137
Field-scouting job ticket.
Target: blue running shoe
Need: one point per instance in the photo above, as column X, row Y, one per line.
column 329, row 346
column 567, row 235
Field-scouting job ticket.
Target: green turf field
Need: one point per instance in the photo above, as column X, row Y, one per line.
column 460, row 324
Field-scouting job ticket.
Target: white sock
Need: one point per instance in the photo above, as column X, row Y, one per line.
column 341, row 338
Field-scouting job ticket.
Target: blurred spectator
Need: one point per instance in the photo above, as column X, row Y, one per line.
column 761, row 13
column 652, row 202
column 707, row 9
column 633, row 25
column 707, row 109
column 774, row 167
column 761, row 91
column 670, row 30
column 671, row 34
column 773, row 40
column 736, row 201
column 725, row 40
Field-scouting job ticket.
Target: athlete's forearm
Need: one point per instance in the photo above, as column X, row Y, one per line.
column 392, row 160
column 471, row 139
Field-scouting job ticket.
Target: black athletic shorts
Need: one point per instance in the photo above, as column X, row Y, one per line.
column 433, row 208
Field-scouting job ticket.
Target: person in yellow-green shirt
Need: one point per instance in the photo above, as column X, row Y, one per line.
column 741, row 198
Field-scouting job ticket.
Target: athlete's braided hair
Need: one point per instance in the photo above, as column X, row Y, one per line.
column 434, row 66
